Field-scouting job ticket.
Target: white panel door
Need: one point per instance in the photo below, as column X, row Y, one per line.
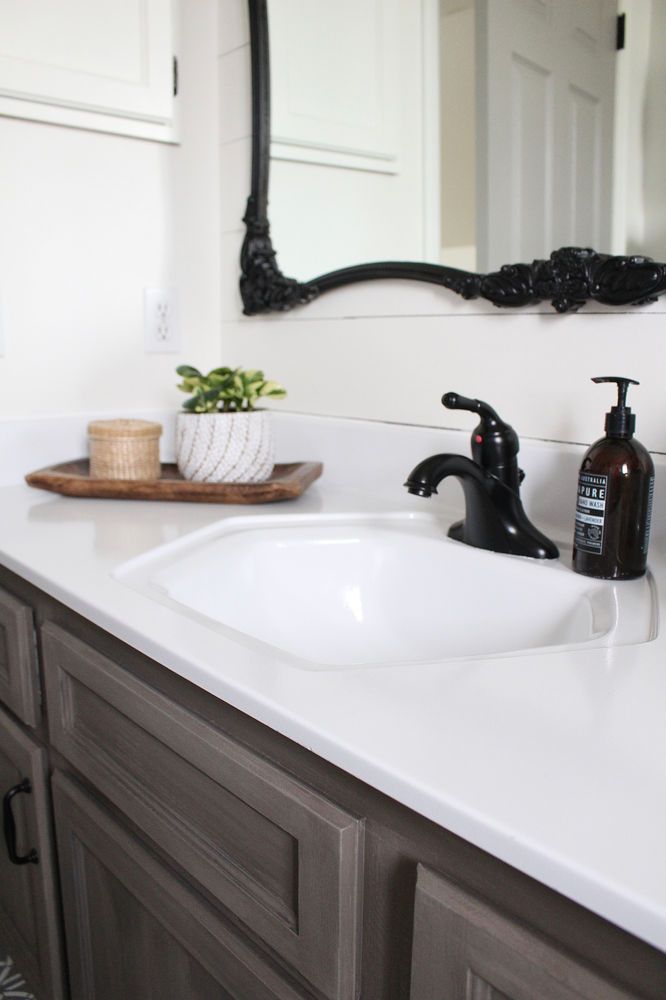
column 545, row 127
column 108, row 57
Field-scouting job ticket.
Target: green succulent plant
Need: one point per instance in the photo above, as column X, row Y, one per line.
column 226, row 390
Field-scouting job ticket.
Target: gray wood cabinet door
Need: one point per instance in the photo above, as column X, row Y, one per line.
column 282, row 858
column 135, row 931
column 19, row 679
column 464, row 949
column 29, row 910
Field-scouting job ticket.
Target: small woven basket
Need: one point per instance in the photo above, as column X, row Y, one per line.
column 124, row 449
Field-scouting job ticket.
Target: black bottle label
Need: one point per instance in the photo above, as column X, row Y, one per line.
column 591, row 512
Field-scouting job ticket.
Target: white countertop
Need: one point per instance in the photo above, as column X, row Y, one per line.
column 555, row 763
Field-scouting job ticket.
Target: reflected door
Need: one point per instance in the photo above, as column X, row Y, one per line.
column 546, row 84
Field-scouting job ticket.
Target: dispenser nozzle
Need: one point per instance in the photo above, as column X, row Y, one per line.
column 620, row 421
column 622, row 386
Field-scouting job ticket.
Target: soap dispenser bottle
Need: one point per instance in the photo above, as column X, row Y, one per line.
column 614, row 504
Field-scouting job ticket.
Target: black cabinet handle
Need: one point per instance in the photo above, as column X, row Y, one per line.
column 10, row 826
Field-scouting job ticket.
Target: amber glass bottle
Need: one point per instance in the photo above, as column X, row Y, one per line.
column 614, row 504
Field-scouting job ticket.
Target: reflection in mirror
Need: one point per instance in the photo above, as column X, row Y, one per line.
column 469, row 133
column 348, row 135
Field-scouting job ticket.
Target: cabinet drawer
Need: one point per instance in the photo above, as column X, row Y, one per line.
column 277, row 855
column 463, row 947
column 134, row 930
column 19, row 679
column 29, row 923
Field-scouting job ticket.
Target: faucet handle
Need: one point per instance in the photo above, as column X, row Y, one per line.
column 454, row 401
column 495, row 444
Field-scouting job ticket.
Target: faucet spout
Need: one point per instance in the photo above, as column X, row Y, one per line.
column 494, row 515
column 424, row 479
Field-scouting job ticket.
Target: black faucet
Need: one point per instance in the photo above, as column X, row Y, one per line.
column 494, row 515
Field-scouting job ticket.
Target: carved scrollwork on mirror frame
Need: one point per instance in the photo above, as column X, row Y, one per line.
column 569, row 278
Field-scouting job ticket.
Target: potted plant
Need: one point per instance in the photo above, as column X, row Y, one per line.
column 221, row 437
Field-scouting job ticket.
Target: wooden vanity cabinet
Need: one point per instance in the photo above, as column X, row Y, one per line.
column 202, row 855
column 30, row 923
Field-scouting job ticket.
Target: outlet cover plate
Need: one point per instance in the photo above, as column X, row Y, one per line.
column 160, row 321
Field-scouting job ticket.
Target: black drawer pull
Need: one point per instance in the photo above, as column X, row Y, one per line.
column 10, row 826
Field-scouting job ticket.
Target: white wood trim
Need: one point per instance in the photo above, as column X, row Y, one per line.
column 94, row 121
column 333, row 157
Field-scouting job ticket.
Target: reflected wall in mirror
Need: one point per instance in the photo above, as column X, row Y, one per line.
column 459, row 134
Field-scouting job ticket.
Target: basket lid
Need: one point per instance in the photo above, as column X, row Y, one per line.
column 124, row 428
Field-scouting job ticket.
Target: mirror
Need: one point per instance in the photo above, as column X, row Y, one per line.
column 553, row 138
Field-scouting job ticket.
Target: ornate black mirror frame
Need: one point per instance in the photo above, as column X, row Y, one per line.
column 568, row 279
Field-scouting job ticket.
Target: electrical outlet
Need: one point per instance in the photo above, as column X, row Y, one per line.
column 160, row 321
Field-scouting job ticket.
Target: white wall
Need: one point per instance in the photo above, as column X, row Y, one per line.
column 387, row 351
column 87, row 220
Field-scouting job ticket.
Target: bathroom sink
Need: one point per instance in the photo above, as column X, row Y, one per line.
column 342, row 591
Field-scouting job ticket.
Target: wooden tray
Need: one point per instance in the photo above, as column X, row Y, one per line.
column 72, row 479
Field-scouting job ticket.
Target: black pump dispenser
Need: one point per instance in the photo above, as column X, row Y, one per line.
column 620, row 421
column 615, row 490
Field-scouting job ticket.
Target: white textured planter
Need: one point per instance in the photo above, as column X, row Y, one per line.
column 225, row 447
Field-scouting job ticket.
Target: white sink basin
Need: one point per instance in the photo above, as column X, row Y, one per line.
column 371, row 590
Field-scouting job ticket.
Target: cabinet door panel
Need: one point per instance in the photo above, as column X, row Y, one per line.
column 279, row 856
column 465, row 949
column 19, row 680
column 29, row 913
column 113, row 56
column 135, row 930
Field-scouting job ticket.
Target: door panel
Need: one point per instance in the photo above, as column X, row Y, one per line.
column 465, row 949
column 545, row 107
column 135, row 929
column 113, row 56
column 282, row 858
column 19, row 679
column 29, row 910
